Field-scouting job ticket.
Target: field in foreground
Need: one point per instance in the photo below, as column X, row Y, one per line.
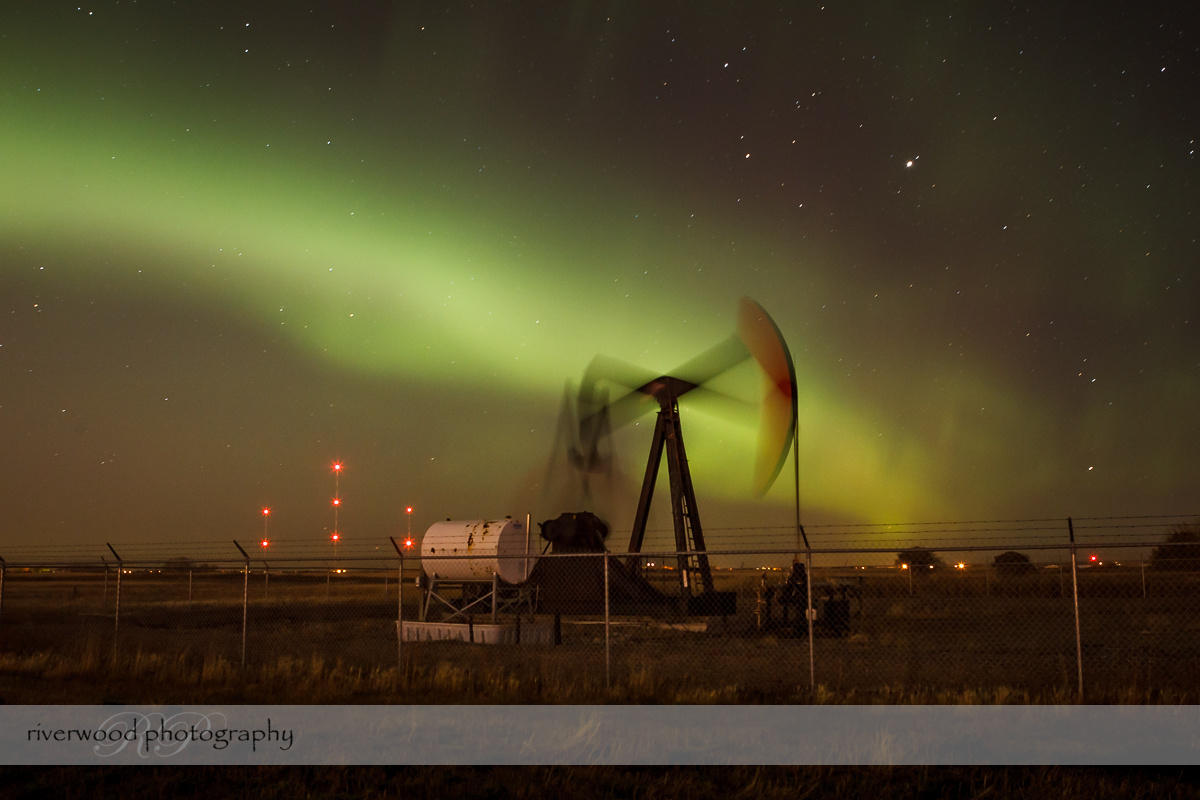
column 312, row 639
column 50, row 678
column 648, row 783
column 337, row 646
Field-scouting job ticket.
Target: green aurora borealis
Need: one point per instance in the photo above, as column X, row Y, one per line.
column 239, row 242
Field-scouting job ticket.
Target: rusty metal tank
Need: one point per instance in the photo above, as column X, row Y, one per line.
column 496, row 546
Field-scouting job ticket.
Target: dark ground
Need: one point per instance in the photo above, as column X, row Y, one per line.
column 694, row 783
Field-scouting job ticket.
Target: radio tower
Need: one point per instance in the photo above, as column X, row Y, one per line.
column 337, row 502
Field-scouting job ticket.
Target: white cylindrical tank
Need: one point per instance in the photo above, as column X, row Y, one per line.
column 497, row 546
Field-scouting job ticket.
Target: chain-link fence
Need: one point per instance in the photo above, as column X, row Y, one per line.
column 212, row 610
column 1032, row 624
column 736, row 623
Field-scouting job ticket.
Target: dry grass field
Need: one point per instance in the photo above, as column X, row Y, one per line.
column 331, row 638
column 644, row 783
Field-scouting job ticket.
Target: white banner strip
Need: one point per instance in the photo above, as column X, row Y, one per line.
column 591, row 735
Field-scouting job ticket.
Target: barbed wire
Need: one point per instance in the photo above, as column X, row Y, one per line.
column 944, row 535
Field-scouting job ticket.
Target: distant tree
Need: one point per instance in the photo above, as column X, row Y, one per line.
column 1013, row 563
column 920, row 559
column 1180, row 550
column 184, row 564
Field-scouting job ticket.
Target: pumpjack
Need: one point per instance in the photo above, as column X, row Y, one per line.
column 757, row 337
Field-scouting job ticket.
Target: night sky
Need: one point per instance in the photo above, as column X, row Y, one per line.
column 239, row 242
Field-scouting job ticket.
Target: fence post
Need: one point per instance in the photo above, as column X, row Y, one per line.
column 607, row 641
column 245, row 596
column 399, row 610
column 1075, row 595
column 400, row 615
column 421, row 609
column 495, row 591
column 809, row 612
column 117, row 612
column 1143, row 582
column 104, row 599
column 3, row 569
column 189, row 584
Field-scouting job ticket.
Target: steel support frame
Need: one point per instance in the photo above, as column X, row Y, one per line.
column 689, row 536
column 494, row 601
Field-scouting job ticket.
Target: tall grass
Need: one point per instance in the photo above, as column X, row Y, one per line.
column 646, row 783
column 92, row 675
column 933, row 646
